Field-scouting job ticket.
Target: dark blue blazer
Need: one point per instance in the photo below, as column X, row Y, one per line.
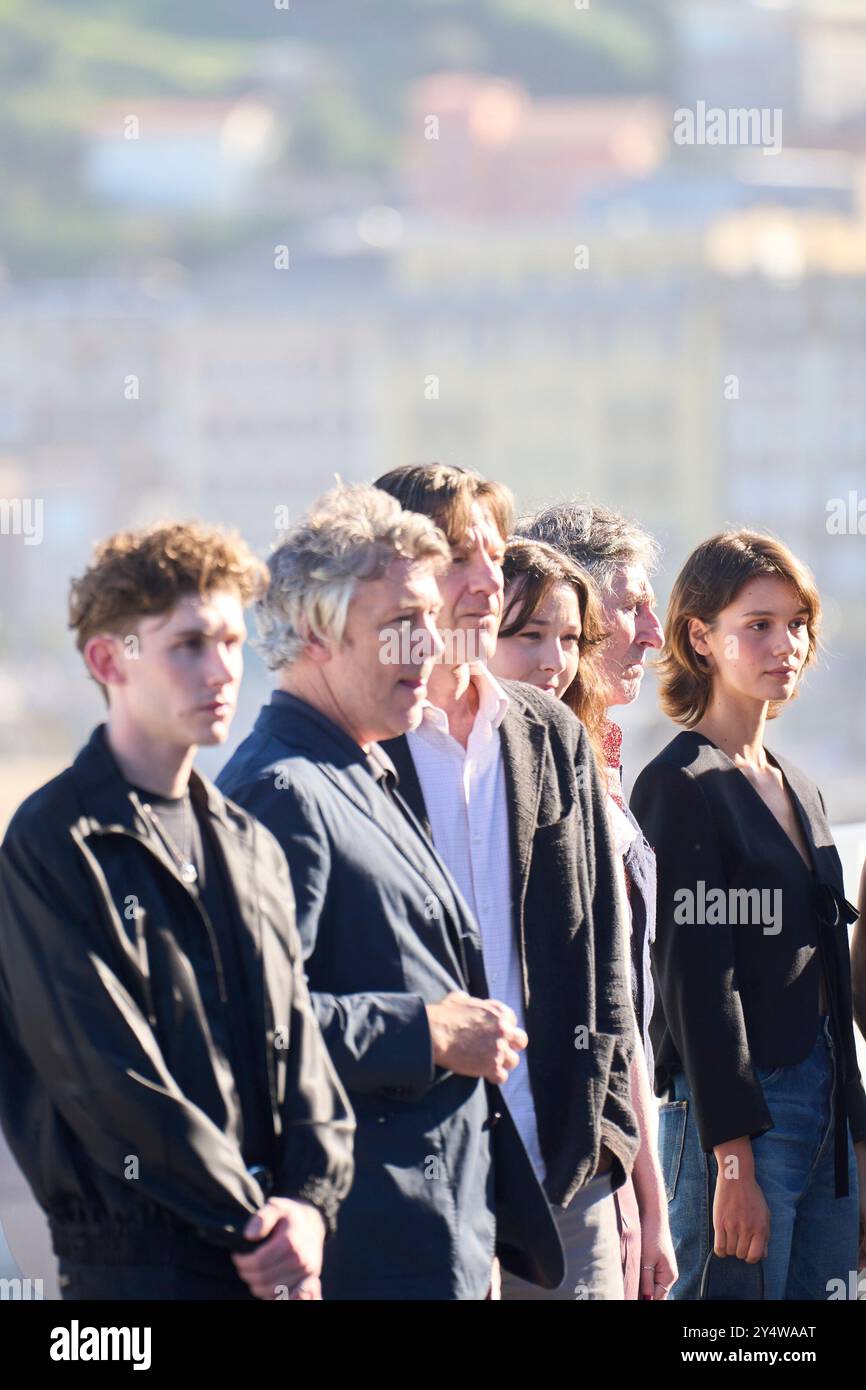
column 441, row 1175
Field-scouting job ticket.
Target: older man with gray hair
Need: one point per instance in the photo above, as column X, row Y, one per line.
column 620, row 555
column 392, row 953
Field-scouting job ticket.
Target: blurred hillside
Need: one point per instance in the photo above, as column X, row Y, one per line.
column 244, row 248
column 331, row 77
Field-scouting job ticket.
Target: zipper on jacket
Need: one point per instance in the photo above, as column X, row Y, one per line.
column 107, row 907
column 209, row 928
column 144, row 962
column 270, row 1031
column 212, row 940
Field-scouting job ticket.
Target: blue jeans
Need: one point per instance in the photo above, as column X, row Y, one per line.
column 813, row 1233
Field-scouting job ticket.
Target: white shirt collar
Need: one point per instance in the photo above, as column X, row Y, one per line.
column 492, row 700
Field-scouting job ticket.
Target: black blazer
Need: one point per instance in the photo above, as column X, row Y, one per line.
column 441, row 1172
column 733, row 996
column 569, row 936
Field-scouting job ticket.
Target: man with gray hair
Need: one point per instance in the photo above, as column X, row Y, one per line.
column 620, row 556
column 392, row 953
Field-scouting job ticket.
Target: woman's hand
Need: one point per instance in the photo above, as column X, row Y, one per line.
column 741, row 1217
column 658, row 1263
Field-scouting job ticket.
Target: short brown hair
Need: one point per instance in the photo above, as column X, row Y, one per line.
column 139, row 574
column 445, row 492
column 531, row 569
column 710, row 579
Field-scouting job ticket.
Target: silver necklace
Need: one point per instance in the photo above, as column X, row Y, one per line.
column 183, row 858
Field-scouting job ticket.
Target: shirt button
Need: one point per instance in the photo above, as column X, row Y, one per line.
column 476, row 839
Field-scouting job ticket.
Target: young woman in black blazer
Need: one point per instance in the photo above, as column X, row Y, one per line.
column 763, row 1125
column 858, row 957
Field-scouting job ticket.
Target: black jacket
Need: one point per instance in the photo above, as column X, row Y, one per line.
column 106, row 1053
column 570, row 937
column 731, row 997
column 385, row 932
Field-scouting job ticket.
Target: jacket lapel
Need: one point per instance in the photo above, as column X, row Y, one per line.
column 813, row 821
column 419, row 852
column 524, row 744
column 410, row 787
column 468, row 939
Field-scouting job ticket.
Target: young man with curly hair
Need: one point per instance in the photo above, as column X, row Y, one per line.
column 165, row 1088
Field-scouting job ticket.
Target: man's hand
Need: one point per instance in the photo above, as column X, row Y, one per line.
column 741, row 1217
column 290, row 1236
column 475, row 1037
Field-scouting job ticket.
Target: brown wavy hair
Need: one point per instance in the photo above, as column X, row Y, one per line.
column 531, row 569
column 710, row 579
column 143, row 574
column 445, row 492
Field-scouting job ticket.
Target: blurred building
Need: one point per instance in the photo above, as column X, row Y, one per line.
column 182, row 155
column 479, row 148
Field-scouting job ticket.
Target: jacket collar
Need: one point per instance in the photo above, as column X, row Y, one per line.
column 301, row 725
column 524, row 740
column 810, row 812
column 354, row 773
column 108, row 799
column 524, row 743
column 493, row 701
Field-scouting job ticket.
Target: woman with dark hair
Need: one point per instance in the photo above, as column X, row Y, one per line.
column 553, row 635
column 763, row 1126
column 551, row 625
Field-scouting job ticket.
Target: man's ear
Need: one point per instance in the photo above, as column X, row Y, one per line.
column 316, row 649
column 106, row 659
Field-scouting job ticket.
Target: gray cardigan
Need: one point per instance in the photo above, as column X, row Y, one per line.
column 575, row 973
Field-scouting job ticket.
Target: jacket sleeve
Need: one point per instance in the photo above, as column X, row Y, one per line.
column 695, row 962
column 318, row 1126
column 379, row 1042
column 97, row 1057
column 614, row 1008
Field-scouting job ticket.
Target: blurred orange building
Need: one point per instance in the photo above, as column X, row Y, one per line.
column 482, row 148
